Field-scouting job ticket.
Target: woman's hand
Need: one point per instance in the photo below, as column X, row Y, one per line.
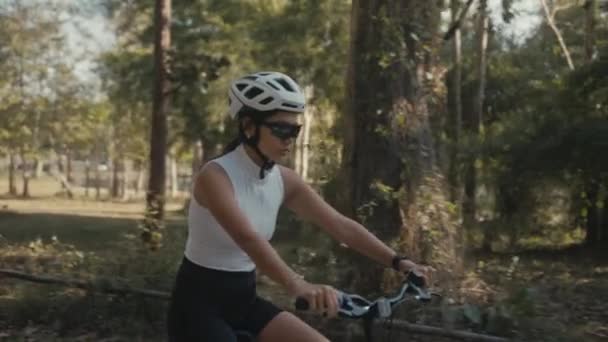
column 426, row 272
column 322, row 299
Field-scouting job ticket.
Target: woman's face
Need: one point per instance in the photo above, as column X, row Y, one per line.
column 277, row 134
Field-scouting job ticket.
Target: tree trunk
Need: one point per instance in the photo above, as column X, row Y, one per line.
column 299, row 145
column 60, row 164
column 87, row 176
column 62, row 170
column 115, row 183
column 596, row 222
column 158, row 139
column 68, row 166
column 26, row 176
column 302, row 149
column 141, row 177
column 392, row 181
column 197, row 156
column 126, row 172
column 38, row 166
column 456, row 88
column 590, row 6
column 602, row 217
column 476, row 122
column 12, row 186
column 307, row 125
column 97, row 173
column 174, row 176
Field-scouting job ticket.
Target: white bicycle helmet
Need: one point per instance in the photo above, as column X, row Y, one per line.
column 265, row 91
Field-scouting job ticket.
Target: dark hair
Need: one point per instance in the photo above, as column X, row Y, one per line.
column 256, row 116
column 233, row 144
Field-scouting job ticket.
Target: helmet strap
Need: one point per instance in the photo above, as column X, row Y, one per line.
column 253, row 141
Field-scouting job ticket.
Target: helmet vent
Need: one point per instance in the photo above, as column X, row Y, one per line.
column 285, row 84
column 289, row 105
column 253, row 78
column 253, row 92
column 272, row 85
column 241, row 86
column 267, row 100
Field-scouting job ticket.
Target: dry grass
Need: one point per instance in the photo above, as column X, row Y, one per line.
column 48, row 197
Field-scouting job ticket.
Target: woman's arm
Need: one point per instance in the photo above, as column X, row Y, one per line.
column 214, row 191
column 308, row 205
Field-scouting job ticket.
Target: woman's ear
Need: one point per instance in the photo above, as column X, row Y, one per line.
column 248, row 127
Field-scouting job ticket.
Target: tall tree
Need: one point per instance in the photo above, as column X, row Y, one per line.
column 456, row 95
column 590, row 6
column 475, row 120
column 392, row 182
column 158, row 138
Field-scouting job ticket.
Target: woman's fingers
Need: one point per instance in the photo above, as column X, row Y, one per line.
column 331, row 301
column 322, row 299
column 312, row 299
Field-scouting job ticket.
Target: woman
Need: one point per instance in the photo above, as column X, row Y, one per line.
column 232, row 216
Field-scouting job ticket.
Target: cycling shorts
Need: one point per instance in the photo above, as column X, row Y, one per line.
column 213, row 305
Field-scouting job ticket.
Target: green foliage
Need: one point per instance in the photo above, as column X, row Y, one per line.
column 42, row 106
column 70, row 310
column 544, row 127
column 216, row 41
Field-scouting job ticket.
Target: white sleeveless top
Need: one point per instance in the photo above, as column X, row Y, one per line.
column 208, row 244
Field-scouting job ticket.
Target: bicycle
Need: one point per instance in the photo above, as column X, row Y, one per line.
column 354, row 306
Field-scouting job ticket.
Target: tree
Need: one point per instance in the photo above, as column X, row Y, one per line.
column 558, row 114
column 456, row 95
column 475, row 121
column 393, row 184
column 590, row 9
column 34, row 34
column 158, row 135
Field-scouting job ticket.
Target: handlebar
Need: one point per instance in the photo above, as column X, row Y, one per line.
column 355, row 306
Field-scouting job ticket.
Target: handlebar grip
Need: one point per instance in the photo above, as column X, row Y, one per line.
column 302, row 304
column 416, row 279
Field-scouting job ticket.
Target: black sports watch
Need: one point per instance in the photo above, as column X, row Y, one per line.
column 396, row 259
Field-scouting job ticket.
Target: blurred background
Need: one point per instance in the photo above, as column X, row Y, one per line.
column 471, row 135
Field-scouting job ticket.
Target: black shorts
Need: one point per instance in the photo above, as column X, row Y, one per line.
column 213, row 305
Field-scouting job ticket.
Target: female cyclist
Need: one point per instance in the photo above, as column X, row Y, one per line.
column 232, row 216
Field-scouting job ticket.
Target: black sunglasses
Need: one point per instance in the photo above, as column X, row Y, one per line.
column 283, row 130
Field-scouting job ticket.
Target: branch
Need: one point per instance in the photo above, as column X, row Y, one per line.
column 560, row 39
column 428, row 330
column 456, row 25
column 86, row 285
column 117, row 289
